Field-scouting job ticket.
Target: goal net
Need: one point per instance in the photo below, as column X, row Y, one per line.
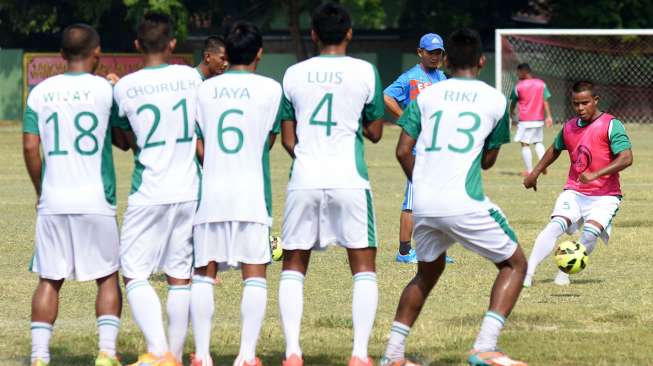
column 619, row 62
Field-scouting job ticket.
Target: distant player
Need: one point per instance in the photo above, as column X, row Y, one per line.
column 531, row 95
column 159, row 102
column 599, row 149
column 229, row 230
column 214, row 59
column 68, row 117
column 457, row 127
column 397, row 96
column 330, row 102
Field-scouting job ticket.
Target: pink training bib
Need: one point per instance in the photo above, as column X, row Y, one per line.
column 530, row 99
column 589, row 150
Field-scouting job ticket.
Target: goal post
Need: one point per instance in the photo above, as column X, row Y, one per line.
column 618, row 61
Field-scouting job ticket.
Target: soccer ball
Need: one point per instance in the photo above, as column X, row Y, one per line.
column 571, row 257
column 276, row 248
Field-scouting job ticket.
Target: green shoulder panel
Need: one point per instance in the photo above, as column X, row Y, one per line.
column 559, row 142
column 286, row 111
column 30, row 121
column 619, row 140
column 500, row 134
column 376, row 108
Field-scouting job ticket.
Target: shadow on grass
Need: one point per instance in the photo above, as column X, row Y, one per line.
column 585, row 281
column 510, row 173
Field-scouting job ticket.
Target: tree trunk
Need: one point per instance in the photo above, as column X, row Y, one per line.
column 295, row 32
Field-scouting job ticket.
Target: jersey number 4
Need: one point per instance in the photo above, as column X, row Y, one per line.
column 328, row 100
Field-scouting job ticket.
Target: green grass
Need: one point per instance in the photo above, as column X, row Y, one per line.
column 603, row 318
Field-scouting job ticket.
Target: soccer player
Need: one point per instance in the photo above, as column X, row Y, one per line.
column 68, row 117
column 159, row 102
column 531, row 95
column 330, row 102
column 230, row 231
column 599, row 149
column 396, row 97
column 214, row 60
column 457, row 127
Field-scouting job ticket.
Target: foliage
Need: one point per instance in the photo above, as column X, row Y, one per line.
column 174, row 8
column 602, row 13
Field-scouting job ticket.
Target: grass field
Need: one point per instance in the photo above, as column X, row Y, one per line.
column 603, row 318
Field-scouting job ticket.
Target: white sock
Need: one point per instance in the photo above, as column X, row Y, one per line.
column 397, row 341
column 291, row 305
column 202, row 306
column 365, row 301
column 252, row 312
column 108, row 327
column 146, row 311
column 528, row 158
column 589, row 236
column 545, row 243
column 539, row 150
column 490, row 329
column 178, row 307
column 41, row 333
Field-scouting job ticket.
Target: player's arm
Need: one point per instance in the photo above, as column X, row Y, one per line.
column 548, row 121
column 122, row 136
column 550, row 156
column 620, row 147
column 404, row 153
column 289, row 136
column 411, row 123
column 513, row 104
column 33, row 162
column 119, row 139
column 392, row 106
column 199, row 147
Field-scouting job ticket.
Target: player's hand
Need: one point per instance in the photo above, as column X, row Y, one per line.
column 112, row 78
column 531, row 182
column 587, row 177
column 548, row 122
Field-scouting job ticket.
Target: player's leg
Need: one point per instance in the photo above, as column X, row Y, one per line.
column 538, row 137
column 141, row 241
column 406, row 254
column 566, row 213
column 527, row 157
column 108, row 307
column 54, row 261
column 364, row 300
column 252, row 312
column 177, row 265
column 410, row 305
column 299, row 234
column 45, row 306
column 202, row 306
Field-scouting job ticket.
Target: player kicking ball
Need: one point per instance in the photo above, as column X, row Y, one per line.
column 159, row 103
column 457, row 127
column 237, row 119
column 599, row 149
column 68, row 117
column 330, row 102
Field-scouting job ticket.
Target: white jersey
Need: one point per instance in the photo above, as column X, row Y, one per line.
column 71, row 114
column 330, row 97
column 453, row 121
column 159, row 103
column 235, row 114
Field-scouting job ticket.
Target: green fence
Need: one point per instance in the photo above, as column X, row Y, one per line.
column 11, row 82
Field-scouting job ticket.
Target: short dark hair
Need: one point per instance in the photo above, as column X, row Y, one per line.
column 583, row 86
column 78, row 41
column 464, row 49
column 213, row 43
column 242, row 43
column 524, row 67
column 331, row 22
column 154, row 32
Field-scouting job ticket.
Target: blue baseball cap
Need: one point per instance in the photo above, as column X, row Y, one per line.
column 431, row 41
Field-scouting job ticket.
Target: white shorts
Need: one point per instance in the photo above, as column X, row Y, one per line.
column 80, row 247
column 316, row 218
column 579, row 208
column 529, row 135
column 485, row 232
column 230, row 243
column 157, row 237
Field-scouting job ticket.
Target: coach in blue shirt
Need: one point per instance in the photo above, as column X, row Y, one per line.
column 397, row 96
